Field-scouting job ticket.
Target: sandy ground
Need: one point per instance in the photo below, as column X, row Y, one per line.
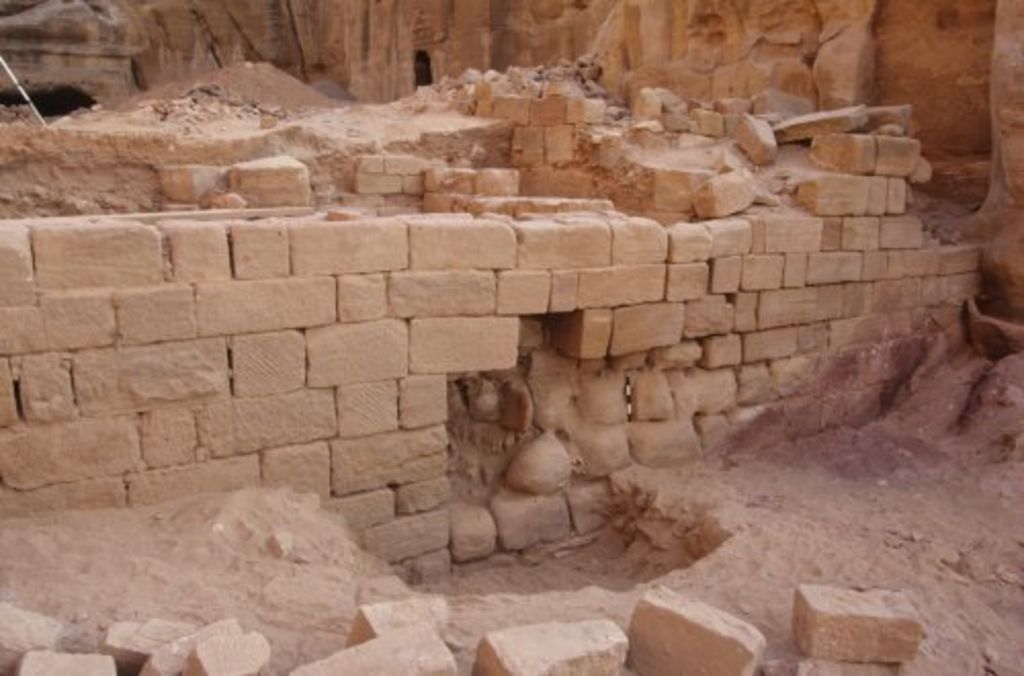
column 928, row 500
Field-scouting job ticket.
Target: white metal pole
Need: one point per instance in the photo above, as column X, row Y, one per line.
column 24, row 94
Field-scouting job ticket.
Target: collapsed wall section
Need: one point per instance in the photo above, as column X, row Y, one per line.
column 140, row 363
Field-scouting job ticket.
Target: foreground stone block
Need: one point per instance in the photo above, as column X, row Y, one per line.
column 226, row 308
column 453, row 243
column 271, row 182
column 670, row 635
column 642, row 327
column 170, row 658
column 837, row 195
column 674, row 189
column 621, row 285
column 897, row 156
column 377, row 619
column 541, row 467
column 525, row 520
column 584, row 334
column 97, row 255
column 268, row 363
column 524, row 292
column 474, row 533
column 260, row 250
column 724, row 195
column 156, row 314
column 854, row 626
column 392, row 458
column 189, row 183
column 408, row 536
column 554, row 245
column 411, row 651
column 845, row 153
column 594, row 648
column 84, row 449
column 792, row 234
column 463, row 344
column 21, row 631
column 199, row 251
column 638, row 241
column 442, row 293
column 328, row 248
column 131, row 643
column 806, row 127
column 356, row 353
column 756, row 138
column 245, row 655
column 78, row 319
column 905, row 232
column 46, row 663
column 689, row 242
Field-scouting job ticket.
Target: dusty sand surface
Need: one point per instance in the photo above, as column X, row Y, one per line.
column 928, row 499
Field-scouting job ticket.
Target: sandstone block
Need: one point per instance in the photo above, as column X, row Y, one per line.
column 362, row 297
column 646, row 104
column 897, row 156
column 155, row 314
column 637, row 241
column 524, row 292
column 787, row 105
column 131, row 643
column 708, row 122
column 674, row 188
column 387, row 459
column 92, row 494
column 601, row 449
column 913, row 263
column 548, row 111
column 905, row 232
column 663, row 444
column 408, row 536
column 773, row 344
column 687, row 282
column 304, row 469
column 602, row 398
column 245, row 425
column 564, row 291
column 78, row 319
column 363, row 510
column 84, row 449
column 367, row 408
column 97, row 255
column 713, row 391
column 860, row 234
column 643, row 327
column 756, row 138
column 524, row 520
column 216, row 476
column 729, row 237
column 15, row 267
column 652, row 398
column 423, row 401
column 806, row 127
column 22, row 631
column 832, row 234
column 669, row 634
column 134, row 378
column 449, row 180
column 836, row 195
column 496, row 182
column 878, row 195
column 170, row 658
column 726, row 274
column 834, row 267
column 260, row 250
column 724, row 195
column 689, row 242
column 245, row 655
column 540, row 467
column 377, row 619
column 271, row 182
column 225, row 308
column 423, row 496
column 442, row 293
column 405, row 165
column 328, row 248
column 590, row 505
column 762, row 272
column 890, row 296
column 745, row 311
column 446, row 243
column 722, row 351
column 378, row 184
column 47, row 663
column 584, row 334
column 8, row 402
column 46, row 394
column 959, row 259
column 413, row 651
column 554, row 245
column 559, row 144
column 708, row 316
column 189, row 183
column 527, row 146
column 896, row 200
column 461, row 344
column 268, row 363
column 845, row 153
column 199, row 251
column 357, row 353
column 594, row 647
column 793, row 234
column 787, row 307
column 855, row 626
column 621, row 285
column 474, row 533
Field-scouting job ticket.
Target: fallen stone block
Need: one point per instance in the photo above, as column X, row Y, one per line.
column 170, row 658
column 189, row 183
column 594, row 648
column 846, row 625
column 408, row 536
column 755, row 137
column 807, row 127
column 22, row 631
column 670, row 635
column 845, row 153
column 674, row 188
column 46, row 663
column 708, row 122
column 412, row 651
column 541, row 467
column 131, row 643
column 377, row 619
column 244, row 655
column 724, row 195
column 474, row 533
column 647, row 104
column 897, row 156
column 272, row 182
column 524, row 520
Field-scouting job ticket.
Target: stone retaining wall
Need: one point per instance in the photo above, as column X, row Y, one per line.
column 141, row 363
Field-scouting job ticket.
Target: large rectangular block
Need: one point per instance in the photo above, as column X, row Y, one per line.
column 272, row 182
column 786, row 307
column 155, row 314
column 845, row 153
column 199, row 251
column 687, row 282
column 621, row 285
column 15, row 267
column 268, row 363
column 836, row 195
column 913, row 263
column 674, row 189
column 461, row 344
column 688, row 243
column 408, row 536
column 555, row 245
column 761, row 272
column 332, row 248
column 367, row 408
column 356, row 353
column 643, row 327
column 834, row 267
column 638, row 240
column 524, row 292
column 107, row 493
column 959, row 259
column 237, row 426
column 362, row 510
column 792, row 234
column 78, row 319
column 260, row 250
column 134, row 378
column 362, row 297
column 773, row 344
column 584, row 334
column 225, row 308
column 97, row 255
column 190, row 183
column 860, row 233
column 216, row 476
column 423, row 401
column 388, row 459
column 21, row 330
column 441, row 293
column 305, row 468
column 897, row 156
column 902, row 232
column 169, row 437
column 46, row 394
column 729, row 237
column 708, row 316
column 453, row 243
column 899, row 294
column 84, row 449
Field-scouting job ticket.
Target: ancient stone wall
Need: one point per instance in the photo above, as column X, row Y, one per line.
column 139, row 363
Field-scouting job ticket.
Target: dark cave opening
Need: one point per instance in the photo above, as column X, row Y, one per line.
column 53, row 102
column 422, row 69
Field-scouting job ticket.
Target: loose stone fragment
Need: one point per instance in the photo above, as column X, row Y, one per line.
column 591, row 648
